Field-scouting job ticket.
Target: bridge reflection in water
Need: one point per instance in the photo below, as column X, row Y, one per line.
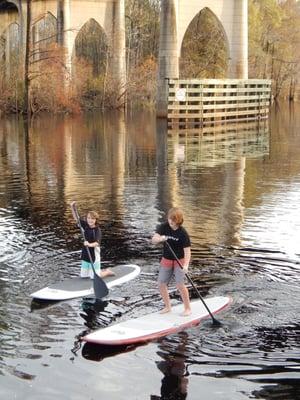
column 212, row 146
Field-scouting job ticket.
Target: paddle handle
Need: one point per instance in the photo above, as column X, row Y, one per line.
column 77, row 217
column 100, row 287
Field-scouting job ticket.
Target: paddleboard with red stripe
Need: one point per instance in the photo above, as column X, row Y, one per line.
column 155, row 325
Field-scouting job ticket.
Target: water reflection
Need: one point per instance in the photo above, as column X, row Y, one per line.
column 174, row 384
column 211, row 146
column 194, row 158
column 40, row 304
column 99, row 353
column 91, row 309
column 240, row 192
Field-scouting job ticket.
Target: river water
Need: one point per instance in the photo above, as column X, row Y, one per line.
column 239, row 188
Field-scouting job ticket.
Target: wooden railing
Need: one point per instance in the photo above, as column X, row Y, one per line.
column 203, row 102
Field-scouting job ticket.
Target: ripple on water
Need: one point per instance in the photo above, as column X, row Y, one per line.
column 227, row 202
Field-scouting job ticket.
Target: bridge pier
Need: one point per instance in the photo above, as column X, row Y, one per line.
column 72, row 18
column 176, row 17
column 71, row 15
column 168, row 58
column 68, row 36
column 238, row 64
column 118, row 59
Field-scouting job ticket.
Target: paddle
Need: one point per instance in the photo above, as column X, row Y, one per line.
column 215, row 321
column 100, row 288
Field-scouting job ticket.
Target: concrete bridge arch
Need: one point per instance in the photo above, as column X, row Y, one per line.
column 100, row 54
column 9, row 14
column 216, row 44
column 177, row 16
column 110, row 15
column 71, row 15
column 9, row 36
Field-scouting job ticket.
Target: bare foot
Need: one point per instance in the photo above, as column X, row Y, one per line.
column 165, row 310
column 186, row 313
column 107, row 272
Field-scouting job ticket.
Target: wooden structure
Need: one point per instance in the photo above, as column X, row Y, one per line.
column 204, row 102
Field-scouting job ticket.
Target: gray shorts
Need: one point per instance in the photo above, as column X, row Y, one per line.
column 165, row 274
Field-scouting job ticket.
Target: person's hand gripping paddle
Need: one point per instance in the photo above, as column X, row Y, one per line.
column 100, row 288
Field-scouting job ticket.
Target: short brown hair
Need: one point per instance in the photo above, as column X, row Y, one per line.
column 93, row 214
column 176, row 215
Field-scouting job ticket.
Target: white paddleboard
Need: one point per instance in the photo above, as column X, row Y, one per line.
column 83, row 287
column 155, row 325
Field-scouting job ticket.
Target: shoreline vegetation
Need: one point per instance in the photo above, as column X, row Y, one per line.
column 48, row 86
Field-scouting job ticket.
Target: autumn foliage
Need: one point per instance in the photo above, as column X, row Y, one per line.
column 88, row 84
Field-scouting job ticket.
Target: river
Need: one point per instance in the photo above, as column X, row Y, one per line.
column 239, row 188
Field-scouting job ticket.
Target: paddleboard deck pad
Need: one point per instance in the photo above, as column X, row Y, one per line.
column 155, row 325
column 84, row 287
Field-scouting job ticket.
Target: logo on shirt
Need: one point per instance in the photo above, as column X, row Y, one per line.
column 172, row 238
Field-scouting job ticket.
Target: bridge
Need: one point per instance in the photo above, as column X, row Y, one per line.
column 69, row 16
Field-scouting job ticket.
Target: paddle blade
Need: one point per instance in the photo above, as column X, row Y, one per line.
column 100, row 288
column 216, row 322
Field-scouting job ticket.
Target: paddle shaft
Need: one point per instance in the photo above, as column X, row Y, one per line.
column 215, row 322
column 100, row 287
